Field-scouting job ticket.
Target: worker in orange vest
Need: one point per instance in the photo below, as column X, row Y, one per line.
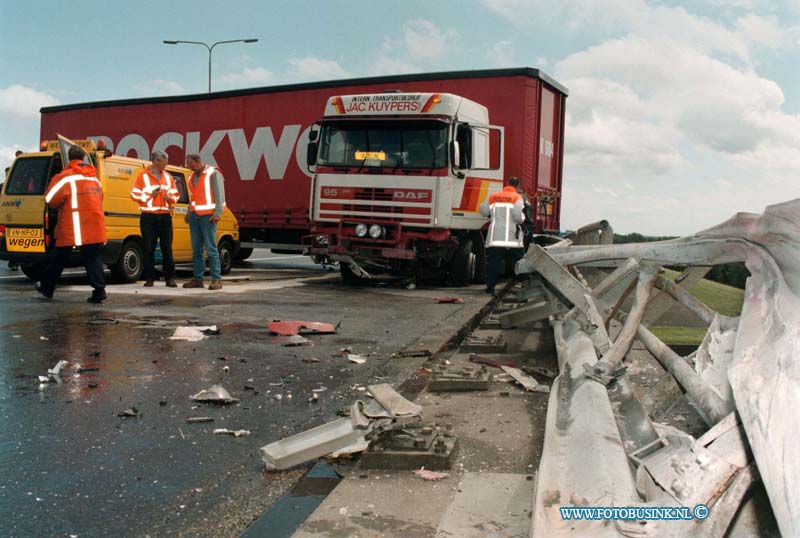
column 78, row 196
column 155, row 192
column 505, row 235
column 207, row 189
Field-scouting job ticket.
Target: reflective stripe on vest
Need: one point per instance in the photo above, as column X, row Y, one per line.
column 148, row 190
column 76, row 217
column 209, row 205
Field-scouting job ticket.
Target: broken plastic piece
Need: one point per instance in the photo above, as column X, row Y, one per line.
column 56, row 370
column 235, row 433
column 450, row 300
column 193, row 334
column 130, row 412
column 358, row 359
column 288, row 328
column 398, row 406
column 430, row 475
column 214, row 394
column 296, row 340
column 359, row 446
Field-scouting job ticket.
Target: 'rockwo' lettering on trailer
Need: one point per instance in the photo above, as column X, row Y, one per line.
column 276, row 151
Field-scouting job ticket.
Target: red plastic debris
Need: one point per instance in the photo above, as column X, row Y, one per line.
column 289, row 328
column 451, row 300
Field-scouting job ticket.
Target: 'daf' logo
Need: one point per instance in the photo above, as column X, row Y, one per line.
column 12, row 203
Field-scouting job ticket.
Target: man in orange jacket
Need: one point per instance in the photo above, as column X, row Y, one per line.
column 155, row 192
column 78, row 196
column 505, row 235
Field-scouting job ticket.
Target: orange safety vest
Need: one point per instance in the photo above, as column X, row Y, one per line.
column 151, row 200
column 203, row 201
column 78, row 195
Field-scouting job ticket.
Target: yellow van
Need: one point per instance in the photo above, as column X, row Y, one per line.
column 26, row 225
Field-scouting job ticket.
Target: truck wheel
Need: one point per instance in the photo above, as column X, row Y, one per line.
column 130, row 265
column 462, row 265
column 348, row 276
column 33, row 270
column 225, row 256
column 479, row 249
column 243, row 254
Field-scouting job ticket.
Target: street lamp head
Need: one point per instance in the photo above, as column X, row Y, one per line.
column 166, row 42
column 250, row 40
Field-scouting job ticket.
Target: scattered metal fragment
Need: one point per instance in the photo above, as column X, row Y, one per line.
column 493, row 343
column 235, row 433
column 454, row 379
column 102, row 321
column 358, row 359
column 414, row 353
column 389, row 399
column 214, row 394
column 310, row 360
column 529, row 383
column 131, row 412
column 196, row 420
column 54, row 373
column 450, row 300
column 430, row 475
column 81, row 369
column 477, row 359
column 193, row 334
column 289, row 328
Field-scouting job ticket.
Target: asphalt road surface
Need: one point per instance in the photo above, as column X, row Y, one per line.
column 70, row 466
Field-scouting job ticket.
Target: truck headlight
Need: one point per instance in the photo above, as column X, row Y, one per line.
column 361, row 230
column 376, row 231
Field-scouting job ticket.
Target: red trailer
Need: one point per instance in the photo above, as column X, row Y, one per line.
column 259, row 137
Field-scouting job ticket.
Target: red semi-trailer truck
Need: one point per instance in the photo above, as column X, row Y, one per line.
column 259, row 138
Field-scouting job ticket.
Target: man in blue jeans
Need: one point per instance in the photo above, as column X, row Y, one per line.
column 207, row 190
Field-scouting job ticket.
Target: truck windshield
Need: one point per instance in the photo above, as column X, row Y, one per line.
column 395, row 144
column 29, row 176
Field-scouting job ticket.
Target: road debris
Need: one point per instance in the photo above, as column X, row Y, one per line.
column 529, row 383
column 408, row 353
column 131, row 412
column 197, row 420
column 235, row 433
column 193, row 334
column 430, row 475
column 358, row 359
column 54, row 373
column 296, row 340
column 82, row 369
column 289, row 328
column 450, row 300
column 214, row 394
column 310, row 360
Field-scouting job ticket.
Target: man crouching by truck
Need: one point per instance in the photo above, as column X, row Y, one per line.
column 205, row 211
column 78, row 196
column 505, row 229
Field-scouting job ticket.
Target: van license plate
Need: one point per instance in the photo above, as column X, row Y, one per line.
column 25, row 240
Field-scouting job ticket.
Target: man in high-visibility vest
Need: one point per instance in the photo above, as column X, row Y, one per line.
column 207, row 189
column 155, row 192
column 78, row 196
column 505, row 235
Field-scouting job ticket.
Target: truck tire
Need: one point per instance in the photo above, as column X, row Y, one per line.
column 479, row 249
column 348, row 276
column 225, row 248
column 33, row 270
column 243, row 254
column 462, row 265
column 130, row 265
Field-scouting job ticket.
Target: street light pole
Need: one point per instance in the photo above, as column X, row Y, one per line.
column 210, row 49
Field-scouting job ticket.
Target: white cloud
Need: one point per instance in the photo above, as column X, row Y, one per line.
column 501, row 54
column 23, row 102
column 247, row 77
column 765, row 31
column 160, row 87
column 313, row 68
column 424, row 40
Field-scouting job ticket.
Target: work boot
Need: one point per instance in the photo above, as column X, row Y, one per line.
column 38, row 287
column 215, row 285
column 171, row 283
column 148, row 283
column 193, row 283
column 97, row 297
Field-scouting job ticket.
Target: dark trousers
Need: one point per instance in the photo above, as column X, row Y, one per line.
column 90, row 256
column 155, row 227
column 494, row 261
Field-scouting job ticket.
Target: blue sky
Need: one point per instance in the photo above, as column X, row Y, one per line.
column 679, row 115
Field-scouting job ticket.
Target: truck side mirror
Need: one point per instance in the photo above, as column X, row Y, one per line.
column 312, row 135
column 455, row 158
column 311, row 153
